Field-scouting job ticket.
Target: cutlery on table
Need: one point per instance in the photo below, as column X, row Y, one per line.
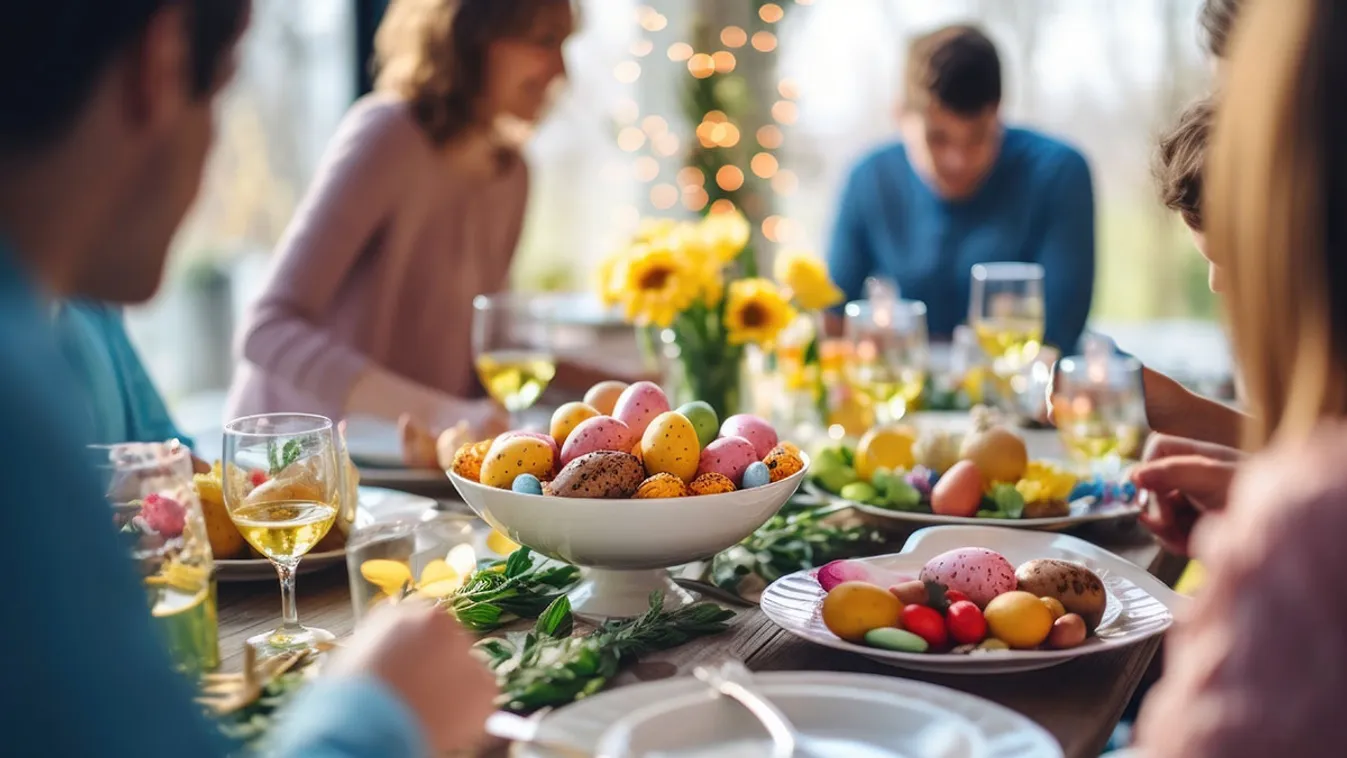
column 733, row 680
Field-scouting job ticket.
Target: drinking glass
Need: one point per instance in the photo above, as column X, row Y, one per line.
column 891, row 353
column 429, row 557
column 1100, row 409
column 283, row 486
column 512, row 343
column 156, row 511
column 1006, row 313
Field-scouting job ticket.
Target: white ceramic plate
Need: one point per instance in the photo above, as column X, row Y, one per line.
column 1139, row 605
column 374, row 442
column 899, row 714
column 1082, row 513
column 376, row 505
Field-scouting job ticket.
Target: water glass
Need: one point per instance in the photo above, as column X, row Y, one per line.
column 890, row 353
column 1006, row 311
column 429, row 557
column 1099, row 408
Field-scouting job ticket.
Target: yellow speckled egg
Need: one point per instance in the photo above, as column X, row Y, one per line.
column 567, row 417
column 711, row 484
column 511, row 457
column 662, row 486
column 670, row 446
column 468, row 459
column 636, row 451
column 783, row 462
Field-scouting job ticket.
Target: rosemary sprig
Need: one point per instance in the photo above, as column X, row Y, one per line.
column 798, row 538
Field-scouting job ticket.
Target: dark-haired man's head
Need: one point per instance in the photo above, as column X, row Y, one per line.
column 104, row 135
column 950, row 117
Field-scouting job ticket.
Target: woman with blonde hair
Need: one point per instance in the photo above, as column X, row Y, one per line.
column 417, row 209
column 1258, row 667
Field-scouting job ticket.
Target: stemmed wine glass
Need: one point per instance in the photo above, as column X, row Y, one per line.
column 890, row 353
column 512, row 342
column 283, row 486
column 1100, row 409
column 157, row 513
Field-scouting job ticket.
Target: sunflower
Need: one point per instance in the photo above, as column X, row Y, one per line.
column 725, row 234
column 688, row 241
column 807, row 279
column 657, row 284
column 756, row 312
column 652, row 229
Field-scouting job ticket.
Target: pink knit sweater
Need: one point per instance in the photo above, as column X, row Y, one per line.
column 378, row 267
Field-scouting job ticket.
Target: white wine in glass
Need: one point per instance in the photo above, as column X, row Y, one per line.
column 890, row 353
column 1099, row 409
column 1006, row 312
column 512, row 341
column 302, row 486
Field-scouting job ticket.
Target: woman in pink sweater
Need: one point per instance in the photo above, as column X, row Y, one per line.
column 417, row 208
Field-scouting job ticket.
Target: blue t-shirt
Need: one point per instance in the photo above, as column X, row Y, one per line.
column 1036, row 206
column 86, row 673
column 123, row 403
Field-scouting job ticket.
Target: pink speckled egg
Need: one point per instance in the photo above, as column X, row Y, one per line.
column 638, row 405
column 753, row 429
column 977, row 572
column 556, row 452
column 597, row 434
column 728, row 456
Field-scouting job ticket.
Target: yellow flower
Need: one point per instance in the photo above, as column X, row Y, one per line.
column 687, row 241
column 725, row 234
column 756, row 312
column 609, row 279
column 1045, row 483
column 807, row 279
column 651, row 229
column 657, row 284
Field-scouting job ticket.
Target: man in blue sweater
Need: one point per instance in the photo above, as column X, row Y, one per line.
column 105, row 121
column 962, row 188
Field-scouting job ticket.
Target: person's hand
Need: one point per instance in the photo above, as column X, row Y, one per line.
column 424, row 657
column 1180, row 480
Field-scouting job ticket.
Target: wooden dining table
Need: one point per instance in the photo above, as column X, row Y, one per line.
column 1079, row 702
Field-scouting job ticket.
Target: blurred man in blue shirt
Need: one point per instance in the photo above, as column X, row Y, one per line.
column 962, row 188
column 105, row 121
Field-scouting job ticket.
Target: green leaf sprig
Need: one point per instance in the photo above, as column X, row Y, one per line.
column 503, row 591
column 280, row 457
column 798, row 538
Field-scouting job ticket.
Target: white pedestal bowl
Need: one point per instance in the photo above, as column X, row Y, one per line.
column 627, row 546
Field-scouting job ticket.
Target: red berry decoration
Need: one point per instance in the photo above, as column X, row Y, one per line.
column 955, row 596
column 258, row 477
column 927, row 624
column 966, row 623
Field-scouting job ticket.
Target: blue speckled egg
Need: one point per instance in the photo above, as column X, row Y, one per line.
column 527, row 484
column 756, row 475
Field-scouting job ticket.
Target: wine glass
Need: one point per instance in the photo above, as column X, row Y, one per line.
column 1100, row 409
column 512, row 343
column 157, row 513
column 283, row 486
column 1006, row 312
column 890, row 353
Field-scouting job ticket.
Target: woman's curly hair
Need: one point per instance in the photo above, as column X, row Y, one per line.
column 433, row 54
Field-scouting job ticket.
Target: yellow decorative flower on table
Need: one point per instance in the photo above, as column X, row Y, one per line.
column 807, row 279
column 658, row 284
column 1045, row 483
column 440, row 578
column 725, row 235
column 756, row 312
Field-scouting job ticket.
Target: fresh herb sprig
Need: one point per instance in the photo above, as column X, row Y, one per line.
column 280, row 457
column 514, row 588
column 549, row 667
column 798, row 538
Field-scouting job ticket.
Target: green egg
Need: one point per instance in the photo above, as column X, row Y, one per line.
column 898, row 640
column 704, row 420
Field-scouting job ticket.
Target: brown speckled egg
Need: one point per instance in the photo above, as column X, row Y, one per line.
column 711, row 484
column 662, row 486
column 603, row 474
column 783, row 463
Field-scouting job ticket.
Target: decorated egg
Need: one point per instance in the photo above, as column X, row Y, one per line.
column 662, row 486
column 704, row 420
column 567, row 417
column 603, row 396
column 468, row 460
column 977, row 572
column 711, row 484
column 511, row 456
column 669, row 446
column 729, row 457
column 784, row 462
column 544, row 438
column 753, row 429
column 602, row 474
column 596, row 434
column 527, row 484
column 639, row 405
column 756, row 475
